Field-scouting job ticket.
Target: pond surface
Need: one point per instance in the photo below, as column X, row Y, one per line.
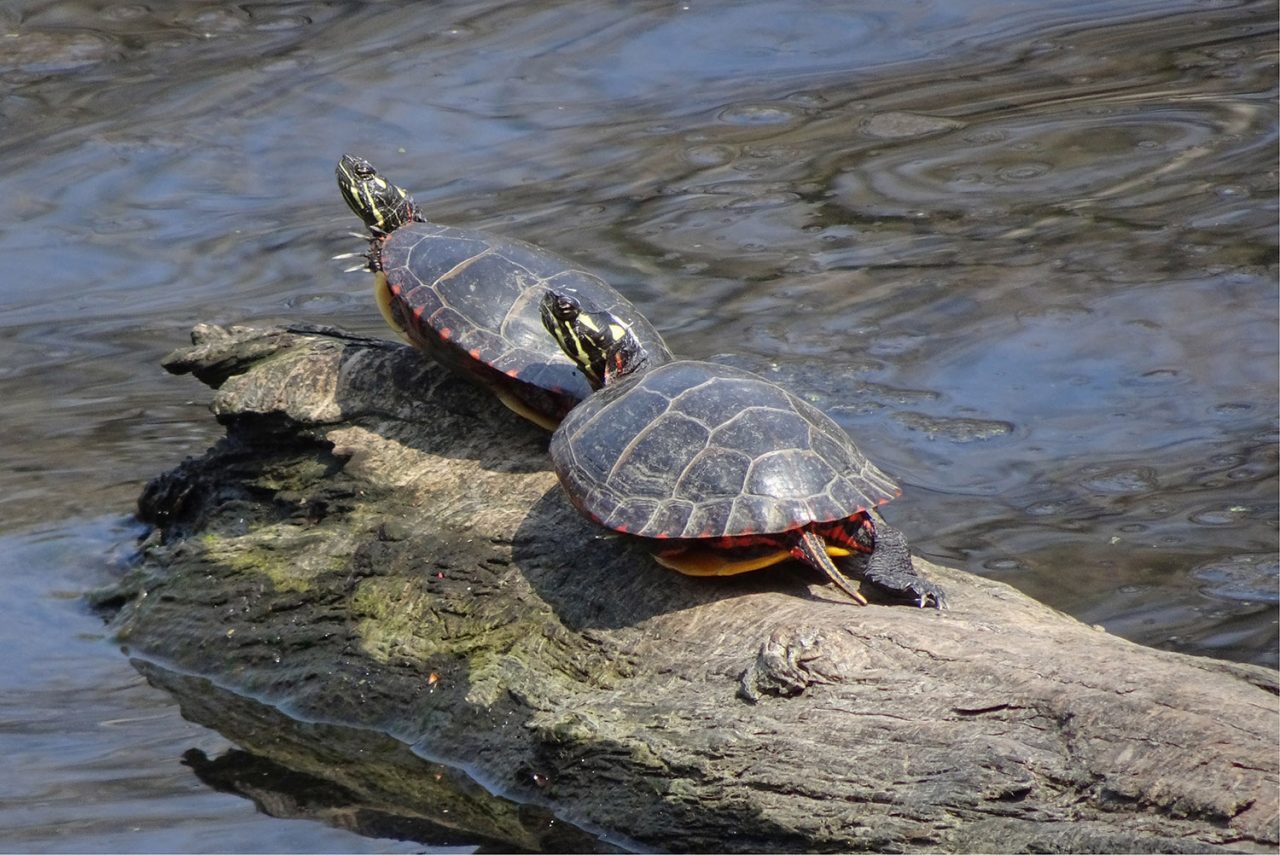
column 1024, row 252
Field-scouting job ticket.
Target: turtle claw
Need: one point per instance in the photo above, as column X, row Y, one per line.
column 925, row 593
column 920, row 592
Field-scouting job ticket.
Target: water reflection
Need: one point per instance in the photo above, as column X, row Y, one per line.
column 95, row 754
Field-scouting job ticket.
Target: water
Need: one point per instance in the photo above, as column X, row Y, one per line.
column 1025, row 252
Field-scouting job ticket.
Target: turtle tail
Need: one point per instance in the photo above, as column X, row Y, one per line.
column 811, row 548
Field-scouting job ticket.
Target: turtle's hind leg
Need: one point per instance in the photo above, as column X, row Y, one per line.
column 812, row 548
column 520, row 408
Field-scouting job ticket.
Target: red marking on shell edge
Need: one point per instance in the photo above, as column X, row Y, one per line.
column 621, row 528
column 417, row 313
column 445, row 333
column 662, row 535
column 474, row 354
column 513, row 374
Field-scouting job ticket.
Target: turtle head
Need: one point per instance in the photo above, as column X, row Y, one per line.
column 602, row 346
column 383, row 206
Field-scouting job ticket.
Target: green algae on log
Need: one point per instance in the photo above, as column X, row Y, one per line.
column 376, row 544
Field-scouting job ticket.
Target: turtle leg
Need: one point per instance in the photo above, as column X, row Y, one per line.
column 813, row 549
column 712, row 562
column 890, row 568
column 520, row 408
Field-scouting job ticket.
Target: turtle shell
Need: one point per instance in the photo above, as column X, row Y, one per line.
column 471, row 300
column 694, row 450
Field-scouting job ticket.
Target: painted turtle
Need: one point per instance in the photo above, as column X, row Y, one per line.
column 729, row 471
column 470, row 299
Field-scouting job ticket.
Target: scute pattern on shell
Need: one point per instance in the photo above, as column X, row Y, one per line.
column 699, row 450
column 485, row 290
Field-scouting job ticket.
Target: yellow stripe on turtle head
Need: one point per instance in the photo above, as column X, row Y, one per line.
column 370, row 192
column 578, row 352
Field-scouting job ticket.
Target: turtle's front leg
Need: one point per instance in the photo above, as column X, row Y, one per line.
column 890, row 568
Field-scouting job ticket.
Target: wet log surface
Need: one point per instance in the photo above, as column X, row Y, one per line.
column 379, row 546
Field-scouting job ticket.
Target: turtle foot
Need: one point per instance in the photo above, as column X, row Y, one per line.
column 890, row 569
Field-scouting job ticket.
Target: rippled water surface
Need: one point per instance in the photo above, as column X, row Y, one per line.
column 1025, row 252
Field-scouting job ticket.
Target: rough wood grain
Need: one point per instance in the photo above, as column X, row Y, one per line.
column 378, row 544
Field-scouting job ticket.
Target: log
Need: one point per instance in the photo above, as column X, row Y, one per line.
column 378, row 545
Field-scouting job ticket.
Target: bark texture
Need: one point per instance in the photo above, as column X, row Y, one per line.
column 379, row 545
